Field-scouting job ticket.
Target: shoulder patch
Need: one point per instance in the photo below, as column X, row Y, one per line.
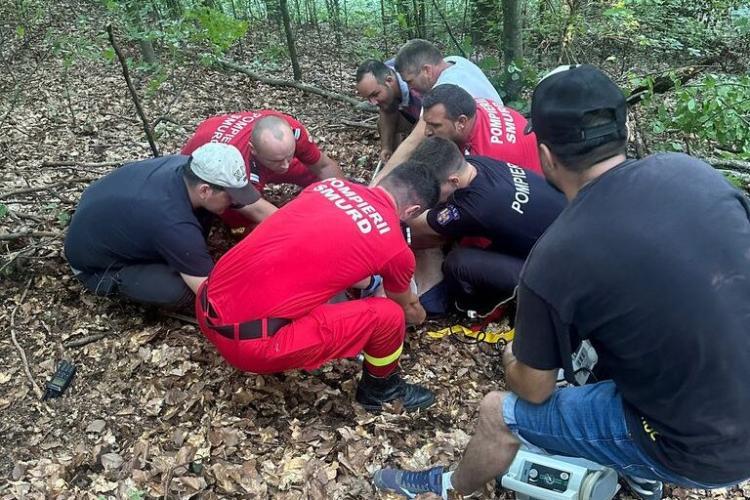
column 297, row 133
column 447, row 214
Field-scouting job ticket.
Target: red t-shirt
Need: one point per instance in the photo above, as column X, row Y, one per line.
column 333, row 235
column 498, row 134
column 235, row 129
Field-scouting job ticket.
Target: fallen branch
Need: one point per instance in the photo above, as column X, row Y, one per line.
column 85, row 340
column 311, row 89
column 21, row 352
column 81, row 164
column 666, row 81
column 46, row 187
column 139, row 109
column 738, row 165
column 29, row 234
column 368, row 126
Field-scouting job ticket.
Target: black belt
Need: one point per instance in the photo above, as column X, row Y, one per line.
column 248, row 330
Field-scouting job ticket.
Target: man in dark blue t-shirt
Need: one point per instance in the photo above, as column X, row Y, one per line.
column 506, row 206
column 650, row 262
column 139, row 231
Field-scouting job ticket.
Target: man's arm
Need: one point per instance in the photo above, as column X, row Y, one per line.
column 528, row 383
column 404, row 151
column 193, row 282
column 387, row 126
column 325, row 168
column 409, row 302
column 258, row 211
column 422, row 234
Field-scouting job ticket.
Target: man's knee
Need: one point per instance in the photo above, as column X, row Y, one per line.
column 388, row 311
column 491, row 418
column 458, row 264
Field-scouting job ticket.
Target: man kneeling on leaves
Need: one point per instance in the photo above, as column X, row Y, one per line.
column 266, row 304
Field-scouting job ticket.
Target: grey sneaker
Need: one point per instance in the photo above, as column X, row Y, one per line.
column 645, row 489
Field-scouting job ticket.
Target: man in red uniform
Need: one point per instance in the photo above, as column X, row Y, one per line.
column 480, row 127
column 276, row 147
column 267, row 313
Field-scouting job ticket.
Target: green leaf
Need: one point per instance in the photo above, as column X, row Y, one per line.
column 63, row 218
column 20, row 31
column 3, row 211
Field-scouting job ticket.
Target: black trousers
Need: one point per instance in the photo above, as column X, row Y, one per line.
column 478, row 279
column 156, row 284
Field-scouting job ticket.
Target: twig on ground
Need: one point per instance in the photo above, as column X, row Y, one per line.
column 81, row 164
column 30, row 234
column 297, row 85
column 47, row 187
column 21, row 215
column 368, row 126
column 21, row 352
column 85, row 340
column 15, row 255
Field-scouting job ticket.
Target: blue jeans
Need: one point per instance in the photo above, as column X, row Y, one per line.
column 587, row 422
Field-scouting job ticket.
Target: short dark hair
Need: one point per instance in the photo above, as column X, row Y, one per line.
column 193, row 180
column 580, row 156
column 378, row 69
column 441, row 156
column 412, row 183
column 456, row 100
column 416, row 53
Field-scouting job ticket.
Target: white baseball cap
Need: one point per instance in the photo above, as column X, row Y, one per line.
column 223, row 165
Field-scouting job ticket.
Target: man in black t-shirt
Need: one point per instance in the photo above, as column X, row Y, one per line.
column 139, row 231
column 650, row 262
column 502, row 208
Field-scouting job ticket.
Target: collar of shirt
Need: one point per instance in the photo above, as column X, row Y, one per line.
column 404, row 91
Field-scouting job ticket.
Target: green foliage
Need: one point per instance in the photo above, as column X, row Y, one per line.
column 69, row 48
column 735, row 181
column 713, row 112
column 3, row 211
column 217, row 28
column 136, row 495
column 525, row 74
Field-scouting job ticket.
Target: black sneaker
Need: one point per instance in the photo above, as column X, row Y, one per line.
column 410, row 483
column 373, row 391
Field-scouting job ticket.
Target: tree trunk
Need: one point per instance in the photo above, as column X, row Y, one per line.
column 512, row 45
column 274, row 12
column 383, row 22
column 484, row 22
column 290, row 40
column 147, row 51
column 298, row 9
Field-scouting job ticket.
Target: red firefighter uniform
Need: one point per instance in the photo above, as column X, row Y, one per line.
column 498, row 134
column 236, row 129
column 282, row 276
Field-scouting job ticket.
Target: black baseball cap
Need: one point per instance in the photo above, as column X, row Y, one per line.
column 565, row 96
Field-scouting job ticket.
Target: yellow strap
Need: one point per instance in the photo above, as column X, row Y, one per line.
column 386, row 360
column 489, row 337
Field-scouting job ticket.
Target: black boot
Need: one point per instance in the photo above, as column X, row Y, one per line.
column 373, row 391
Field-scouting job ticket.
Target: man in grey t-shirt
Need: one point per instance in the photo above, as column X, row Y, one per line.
column 423, row 67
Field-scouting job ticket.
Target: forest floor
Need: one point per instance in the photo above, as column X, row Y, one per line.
column 153, row 410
